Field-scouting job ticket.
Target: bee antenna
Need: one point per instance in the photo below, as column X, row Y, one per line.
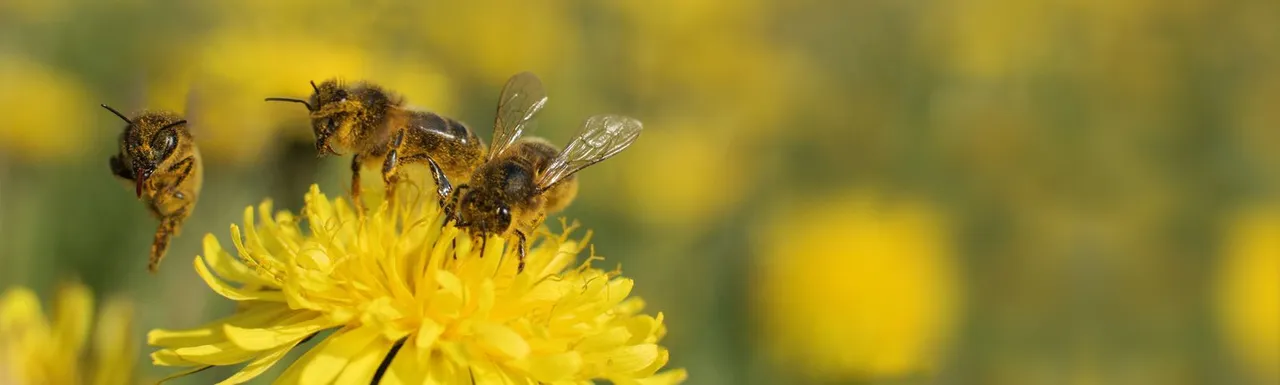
column 122, row 117
column 313, row 86
column 174, row 124
column 304, row 102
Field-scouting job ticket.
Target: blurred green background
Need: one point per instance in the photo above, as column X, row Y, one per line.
column 832, row 192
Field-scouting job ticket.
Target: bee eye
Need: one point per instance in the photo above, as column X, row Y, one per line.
column 342, row 95
column 164, row 143
column 331, row 124
column 504, row 213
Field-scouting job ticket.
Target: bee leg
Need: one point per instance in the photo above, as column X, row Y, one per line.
column 391, row 165
column 355, row 183
column 520, row 252
column 443, row 187
column 169, row 226
column 118, row 168
column 185, row 164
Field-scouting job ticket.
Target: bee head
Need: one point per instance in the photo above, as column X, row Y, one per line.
column 343, row 115
column 483, row 213
column 149, row 142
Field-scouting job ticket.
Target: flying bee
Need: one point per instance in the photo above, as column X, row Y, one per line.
column 524, row 179
column 374, row 125
column 159, row 158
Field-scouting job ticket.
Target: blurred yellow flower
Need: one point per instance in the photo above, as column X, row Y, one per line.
column 1248, row 290
column 701, row 177
column 36, row 350
column 856, row 287
column 496, row 38
column 406, row 306
column 54, row 124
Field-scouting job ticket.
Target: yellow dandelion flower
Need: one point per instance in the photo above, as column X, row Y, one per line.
column 47, row 130
column 1248, row 291
column 857, row 288
column 405, row 305
column 37, row 350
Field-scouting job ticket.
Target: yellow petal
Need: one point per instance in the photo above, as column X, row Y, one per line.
column 643, row 329
column 228, row 267
column 485, row 372
column 608, row 340
column 340, row 349
column 115, row 349
column 629, row 306
column 362, row 366
column 71, row 316
column 618, row 290
column 20, row 307
column 291, row 329
column 184, row 373
column 670, row 377
column 224, row 353
column 259, row 314
column 632, row 358
column 258, row 366
column 555, row 367
column 405, row 368
column 233, row 293
column 293, row 374
column 427, row 333
column 442, row 371
column 499, row 339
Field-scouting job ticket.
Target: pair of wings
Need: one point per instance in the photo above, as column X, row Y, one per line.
column 601, row 137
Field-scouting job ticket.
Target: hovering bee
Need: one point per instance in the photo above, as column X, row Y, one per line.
column 524, row 179
column 374, row 124
column 160, row 159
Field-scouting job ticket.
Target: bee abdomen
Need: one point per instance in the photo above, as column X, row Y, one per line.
column 449, row 142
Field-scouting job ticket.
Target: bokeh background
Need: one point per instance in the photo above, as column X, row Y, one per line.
column 827, row 192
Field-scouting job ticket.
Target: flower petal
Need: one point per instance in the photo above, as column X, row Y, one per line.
column 427, row 334
column 233, row 293
column 670, row 377
column 291, row 329
column 20, row 308
column 72, row 314
column 223, row 353
column 608, row 340
column 258, row 366
column 632, row 358
column 259, row 314
column 362, row 366
column 405, row 368
column 228, row 267
column 499, row 339
column 337, row 353
column 551, row 368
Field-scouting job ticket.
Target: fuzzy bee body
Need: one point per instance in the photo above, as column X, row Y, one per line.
column 522, row 180
column 374, row 125
column 159, row 159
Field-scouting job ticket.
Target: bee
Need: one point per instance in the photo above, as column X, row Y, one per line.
column 374, row 125
column 524, row 179
column 159, row 158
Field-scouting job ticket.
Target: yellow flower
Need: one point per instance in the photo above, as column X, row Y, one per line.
column 856, row 287
column 1248, row 291
column 34, row 350
column 405, row 306
column 53, row 125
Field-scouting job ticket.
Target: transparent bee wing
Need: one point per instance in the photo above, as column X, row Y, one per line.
column 601, row 137
column 521, row 99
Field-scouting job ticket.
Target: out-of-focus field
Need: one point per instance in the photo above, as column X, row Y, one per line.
column 888, row 192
